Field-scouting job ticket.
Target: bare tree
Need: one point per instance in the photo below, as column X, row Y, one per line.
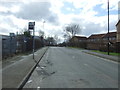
column 56, row 38
column 23, row 30
column 72, row 29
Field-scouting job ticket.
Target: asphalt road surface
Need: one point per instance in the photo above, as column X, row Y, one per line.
column 71, row 68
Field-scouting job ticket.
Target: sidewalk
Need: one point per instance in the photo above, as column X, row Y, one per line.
column 14, row 73
column 110, row 57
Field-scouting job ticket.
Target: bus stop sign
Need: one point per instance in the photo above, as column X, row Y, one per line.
column 31, row 25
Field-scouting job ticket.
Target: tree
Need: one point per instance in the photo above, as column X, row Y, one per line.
column 56, row 39
column 71, row 30
column 26, row 32
column 50, row 41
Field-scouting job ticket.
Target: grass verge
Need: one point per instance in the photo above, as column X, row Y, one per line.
column 111, row 53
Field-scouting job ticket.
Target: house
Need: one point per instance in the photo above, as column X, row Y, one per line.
column 112, row 38
column 78, row 41
column 118, row 31
column 100, row 41
column 112, row 42
column 118, row 36
column 0, row 47
column 94, row 41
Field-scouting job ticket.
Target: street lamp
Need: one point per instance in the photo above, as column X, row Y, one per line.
column 43, row 24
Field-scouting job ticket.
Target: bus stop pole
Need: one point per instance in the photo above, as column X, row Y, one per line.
column 33, row 42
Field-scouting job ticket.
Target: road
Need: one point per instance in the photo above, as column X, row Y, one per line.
column 71, row 68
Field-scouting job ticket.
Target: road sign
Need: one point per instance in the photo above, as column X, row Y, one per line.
column 31, row 25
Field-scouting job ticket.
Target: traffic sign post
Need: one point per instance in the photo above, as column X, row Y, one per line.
column 32, row 26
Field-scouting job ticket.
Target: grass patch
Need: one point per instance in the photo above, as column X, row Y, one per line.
column 111, row 53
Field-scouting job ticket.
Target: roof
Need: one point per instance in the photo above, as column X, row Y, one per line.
column 96, row 36
column 118, row 22
column 80, row 37
column 111, row 34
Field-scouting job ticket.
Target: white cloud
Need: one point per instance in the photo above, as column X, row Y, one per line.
column 15, row 15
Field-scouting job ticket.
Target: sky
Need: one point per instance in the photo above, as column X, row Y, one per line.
column 91, row 15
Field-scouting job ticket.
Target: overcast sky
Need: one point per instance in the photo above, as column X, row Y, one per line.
column 91, row 15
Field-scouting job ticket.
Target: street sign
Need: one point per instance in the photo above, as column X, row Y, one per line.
column 31, row 25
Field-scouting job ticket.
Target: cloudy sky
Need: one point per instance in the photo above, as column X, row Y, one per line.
column 91, row 15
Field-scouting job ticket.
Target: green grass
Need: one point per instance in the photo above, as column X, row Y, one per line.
column 111, row 53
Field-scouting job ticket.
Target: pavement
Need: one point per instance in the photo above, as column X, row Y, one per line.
column 108, row 57
column 14, row 71
column 72, row 68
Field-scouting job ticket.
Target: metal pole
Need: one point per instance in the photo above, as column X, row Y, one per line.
column 43, row 24
column 108, row 27
column 33, row 42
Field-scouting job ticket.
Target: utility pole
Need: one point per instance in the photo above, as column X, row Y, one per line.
column 108, row 28
column 43, row 24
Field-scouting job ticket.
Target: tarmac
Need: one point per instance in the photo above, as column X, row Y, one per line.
column 31, row 63
column 109, row 57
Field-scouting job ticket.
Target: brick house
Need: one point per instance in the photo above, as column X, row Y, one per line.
column 112, row 38
column 118, row 31
column 118, row 36
column 94, row 41
column 112, row 42
column 78, row 41
column 100, row 42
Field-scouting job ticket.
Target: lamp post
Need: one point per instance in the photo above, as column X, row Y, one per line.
column 108, row 28
column 43, row 24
